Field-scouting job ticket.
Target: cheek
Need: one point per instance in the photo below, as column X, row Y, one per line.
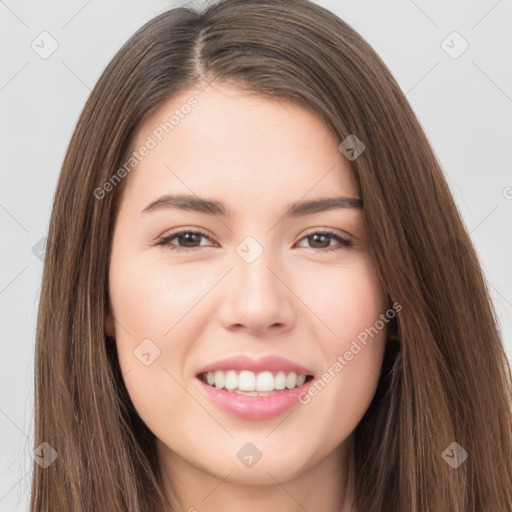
column 145, row 311
column 348, row 299
column 353, row 306
column 152, row 334
column 147, row 297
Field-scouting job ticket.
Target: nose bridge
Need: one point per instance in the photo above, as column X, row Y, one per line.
column 259, row 298
column 252, row 268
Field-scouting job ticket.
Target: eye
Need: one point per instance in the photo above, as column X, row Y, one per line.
column 186, row 236
column 316, row 238
column 192, row 236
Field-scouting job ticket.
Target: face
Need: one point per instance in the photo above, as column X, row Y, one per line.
column 242, row 326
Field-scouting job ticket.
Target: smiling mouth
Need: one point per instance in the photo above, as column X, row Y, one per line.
column 249, row 383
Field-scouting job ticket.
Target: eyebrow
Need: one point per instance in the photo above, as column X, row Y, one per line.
column 212, row 207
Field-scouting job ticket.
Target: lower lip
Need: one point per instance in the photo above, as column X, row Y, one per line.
column 254, row 407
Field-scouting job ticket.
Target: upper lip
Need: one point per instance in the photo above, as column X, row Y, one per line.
column 270, row 362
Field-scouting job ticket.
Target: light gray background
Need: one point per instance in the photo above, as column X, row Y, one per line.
column 464, row 105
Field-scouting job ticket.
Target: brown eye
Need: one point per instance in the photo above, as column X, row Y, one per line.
column 320, row 241
column 316, row 239
column 187, row 240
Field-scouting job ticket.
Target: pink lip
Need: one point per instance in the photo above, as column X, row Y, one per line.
column 254, row 407
column 256, row 365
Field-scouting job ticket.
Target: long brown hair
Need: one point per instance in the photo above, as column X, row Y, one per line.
column 445, row 380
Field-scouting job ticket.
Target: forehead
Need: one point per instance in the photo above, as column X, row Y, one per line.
column 226, row 142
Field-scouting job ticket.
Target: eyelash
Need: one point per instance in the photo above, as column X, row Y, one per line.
column 344, row 243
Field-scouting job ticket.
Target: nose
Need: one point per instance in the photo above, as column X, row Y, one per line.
column 258, row 297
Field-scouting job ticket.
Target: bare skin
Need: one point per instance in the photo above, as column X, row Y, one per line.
column 297, row 299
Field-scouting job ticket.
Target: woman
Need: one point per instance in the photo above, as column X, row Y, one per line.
column 265, row 368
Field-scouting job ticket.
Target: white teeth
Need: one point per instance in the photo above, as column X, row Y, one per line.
column 231, row 380
column 246, row 381
column 265, row 381
column 219, row 379
column 280, row 380
column 254, row 384
column 291, row 380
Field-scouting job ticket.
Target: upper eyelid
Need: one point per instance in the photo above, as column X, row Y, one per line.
column 188, row 230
